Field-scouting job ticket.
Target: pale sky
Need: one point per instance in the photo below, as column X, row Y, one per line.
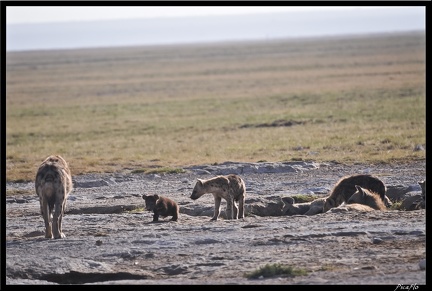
column 39, row 14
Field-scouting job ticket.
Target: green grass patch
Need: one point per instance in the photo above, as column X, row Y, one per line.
column 14, row 192
column 396, row 206
column 276, row 270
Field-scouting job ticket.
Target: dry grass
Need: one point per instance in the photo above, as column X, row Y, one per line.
column 359, row 99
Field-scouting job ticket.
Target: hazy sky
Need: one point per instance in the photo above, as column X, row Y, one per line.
column 39, row 14
column 59, row 27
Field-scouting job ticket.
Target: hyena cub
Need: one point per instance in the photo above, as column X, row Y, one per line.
column 305, row 208
column 53, row 185
column 345, row 187
column 161, row 206
column 367, row 197
column 231, row 188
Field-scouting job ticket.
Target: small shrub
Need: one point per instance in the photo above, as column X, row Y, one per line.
column 396, row 205
column 274, row 270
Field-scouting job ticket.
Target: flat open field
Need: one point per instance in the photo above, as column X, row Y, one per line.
column 326, row 107
column 345, row 99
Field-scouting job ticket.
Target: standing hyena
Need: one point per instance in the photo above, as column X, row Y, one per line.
column 231, row 188
column 367, row 197
column 53, row 185
column 345, row 187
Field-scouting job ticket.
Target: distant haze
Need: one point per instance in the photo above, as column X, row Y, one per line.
column 154, row 31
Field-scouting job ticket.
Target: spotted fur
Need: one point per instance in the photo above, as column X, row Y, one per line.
column 231, row 188
column 53, row 185
column 345, row 187
column 367, row 197
column 351, row 207
column 305, row 208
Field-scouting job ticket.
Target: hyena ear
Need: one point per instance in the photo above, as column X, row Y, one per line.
column 360, row 189
column 156, row 196
column 288, row 200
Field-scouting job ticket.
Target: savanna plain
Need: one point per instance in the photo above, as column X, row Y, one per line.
column 151, row 119
column 351, row 99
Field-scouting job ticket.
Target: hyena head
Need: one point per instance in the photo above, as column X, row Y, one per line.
column 198, row 190
column 364, row 196
column 51, row 169
column 150, row 201
column 358, row 197
column 49, row 173
column 287, row 207
column 328, row 204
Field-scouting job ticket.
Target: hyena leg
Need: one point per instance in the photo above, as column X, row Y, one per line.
column 229, row 209
column 217, row 201
column 235, row 209
column 387, row 202
column 58, row 214
column 241, row 207
column 155, row 216
column 47, row 217
column 175, row 216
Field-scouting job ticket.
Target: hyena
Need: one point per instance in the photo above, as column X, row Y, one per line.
column 351, row 207
column 231, row 188
column 306, row 208
column 161, row 206
column 53, row 185
column 367, row 197
column 345, row 187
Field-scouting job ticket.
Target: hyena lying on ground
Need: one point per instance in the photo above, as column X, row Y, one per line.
column 351, row 207
column 306, row 208
column 231, row 188
column 161, row 206
column 367, row 197
column 53, row 185
column 345, row 187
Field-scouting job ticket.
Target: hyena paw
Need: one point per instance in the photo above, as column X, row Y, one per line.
column 61, row 235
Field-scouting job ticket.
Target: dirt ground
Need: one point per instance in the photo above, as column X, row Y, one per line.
column 111, row 239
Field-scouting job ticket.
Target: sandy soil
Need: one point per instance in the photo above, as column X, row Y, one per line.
column 111, row 239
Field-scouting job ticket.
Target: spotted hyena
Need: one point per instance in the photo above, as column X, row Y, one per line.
column 306, row 208
column 345, row 187
column 367, row 197
column 53, row 185
column 351, row 207
column 231, row 188
column 161, row 206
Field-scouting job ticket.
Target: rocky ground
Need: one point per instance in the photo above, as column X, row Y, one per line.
column 111, row 239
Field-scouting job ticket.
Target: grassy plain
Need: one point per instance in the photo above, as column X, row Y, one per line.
column 346, row 99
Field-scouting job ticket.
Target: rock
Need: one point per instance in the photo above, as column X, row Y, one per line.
column 422, row 264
